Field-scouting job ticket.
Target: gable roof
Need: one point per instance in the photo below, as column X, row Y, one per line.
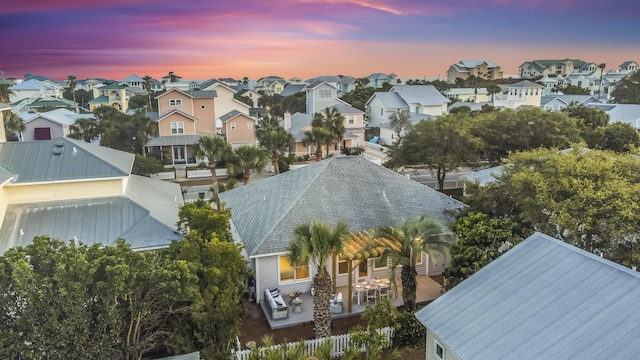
column 420, row 94
column 132, row 78
column 625, row 113
column 390, row 100
column 31, row 84
column 176, row 111
column 568, row 99
column 232, row 114
column 347, row 188
column 59, row 116
column 112, row 86
column 469, row 64
column 63, row 159
column 344, row 108
column 51, row 102
column 292, row 89
column 298, row 122
column 543, row 299
column 522, row 84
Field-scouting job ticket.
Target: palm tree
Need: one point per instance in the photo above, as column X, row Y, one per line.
column 493, row 89
column 412, row 237
column 318, row 136
column 316, row 243
column 5, row 94
column 601, row 66
column 214, row 148
column 334, row 121
column 72, row 82
column 245, row 81
column 247, row 158
column 274, row 139
column 144, row 128
column 85, row 129
column 147, row 86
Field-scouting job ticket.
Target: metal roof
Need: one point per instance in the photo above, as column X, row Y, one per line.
column 391, row 100
column 420, row 94
column 63, row 159
column 625, row 113
column 543, row 299
column 484, row 176
column 174, row 140
column 345, row 188
column 92, row 221
column 60, row 116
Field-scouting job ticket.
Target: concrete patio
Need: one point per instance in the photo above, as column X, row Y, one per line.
column 427, row 290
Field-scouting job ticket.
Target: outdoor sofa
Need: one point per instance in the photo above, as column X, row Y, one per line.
column 277, row 307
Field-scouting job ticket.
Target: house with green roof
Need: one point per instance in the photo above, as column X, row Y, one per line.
column 536, row 68
column 113, row 95
column 70, row 189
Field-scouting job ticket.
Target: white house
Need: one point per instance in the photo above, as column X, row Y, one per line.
column 625, row 113
column 48, row 125
column 522, row 93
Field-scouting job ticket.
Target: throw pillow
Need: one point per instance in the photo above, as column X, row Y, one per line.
column 279, row 303
column 274, row 292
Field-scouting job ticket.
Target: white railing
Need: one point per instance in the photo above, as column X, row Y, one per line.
column 339, row 344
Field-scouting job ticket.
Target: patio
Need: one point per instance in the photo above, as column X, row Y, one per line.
column 427, row 290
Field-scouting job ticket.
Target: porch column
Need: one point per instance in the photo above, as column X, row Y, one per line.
column 350, row 284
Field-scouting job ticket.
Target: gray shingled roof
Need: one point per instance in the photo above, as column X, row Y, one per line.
column 199, row 94
column 350, row 189
column 231, row 114
column 38, row 160
column 543, row 299
column 344, row 109
column 98, row 220
column 298, row 121
column 292, row 89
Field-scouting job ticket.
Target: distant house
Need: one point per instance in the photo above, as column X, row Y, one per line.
column 321, row 95
column 239, row 129
column 133, row 81
column 559, row 102
column 33, row 89
column 624, row 113
column 535, row 68
column 254, row 96
column 347, row 188
column 376, row 80
column 522, row 93
column 88, row 84
column 577, row 306
column 475, row 95
column 225, row 102
column 113, row 95
column 482, row 69
column 70, row 189
column 629, row 66
column 48, row 125
column 271, row 84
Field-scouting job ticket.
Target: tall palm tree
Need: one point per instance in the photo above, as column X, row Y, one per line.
column 274, row 139
column 412, row 237
column 247, row 158
column 144, row 128
column 315, row 243
column 317, row 137
column 214, row 148
column 245, row 81
column 334, row 121
column 147, row 86
column 601, row 66
column 5, row 94
column 72, row 82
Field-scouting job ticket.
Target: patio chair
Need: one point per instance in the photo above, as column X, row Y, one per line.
column 383, row 291
column 371, row 294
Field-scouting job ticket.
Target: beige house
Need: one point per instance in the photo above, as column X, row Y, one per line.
column 535, row 68
column 239, row 129
column 70, row 189
column 483, row 69
column 113, row 95
column 523, row 93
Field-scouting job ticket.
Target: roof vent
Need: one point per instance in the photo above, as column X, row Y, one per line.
column 59, row 143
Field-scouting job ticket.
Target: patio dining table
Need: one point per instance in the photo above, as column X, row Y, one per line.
column 363, row 287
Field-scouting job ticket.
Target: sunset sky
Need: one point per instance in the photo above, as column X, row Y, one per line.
column 201, row 39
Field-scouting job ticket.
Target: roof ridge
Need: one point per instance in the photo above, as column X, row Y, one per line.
column 82, row 145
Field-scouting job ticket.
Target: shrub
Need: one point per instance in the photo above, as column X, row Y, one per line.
column 146, row 166
column 408, row 332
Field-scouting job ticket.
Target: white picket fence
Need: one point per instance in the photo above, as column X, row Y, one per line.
column 340, row 344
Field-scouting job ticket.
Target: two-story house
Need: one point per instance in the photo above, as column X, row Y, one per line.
column 113, row 95
column 522, row 93
column 133, row 80
column 535, row 68
column 482, row 69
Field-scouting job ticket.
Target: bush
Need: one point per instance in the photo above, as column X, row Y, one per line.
column 353, row 151
column 408, row 332
column 146, row 166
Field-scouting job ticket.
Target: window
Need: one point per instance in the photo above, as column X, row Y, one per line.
column 381, row 111
column 343, row 266
column 439, row 351
column 40, row 133
column 417, row 109
column 351, row 119
column 289, row 273
column 249, row 125
column 381, row 262
column 177, row 128
column 233, row 126
column 324, row 94
column 175, row 102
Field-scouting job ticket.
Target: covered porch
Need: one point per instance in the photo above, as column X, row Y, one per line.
column 180, row 149
column 427, row 290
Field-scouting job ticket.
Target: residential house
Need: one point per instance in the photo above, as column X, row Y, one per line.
column 630, row 66
column 347, row 84
column 48, row 125
column 113, row 95
column 33, row 89
column 252, row 95
column 89, row 84
column 376, row 80
column 225, row 100
column 418, row 100
column 296, row 80
column 522, row 93
column 344, row 188
column 183, row 117
column 171, row 78
column 333, row 80
column 230, row 82
column 625, row 113
column 482, row 69
column 543, row 299
column 271, row 84
column 535, row 68
column 321, row 95
column 551, row 84
column 293, row 89
column 70, row 189
column 239, row 129
column 475, row 95
column 133, row 81
column 45, row 104
column 559, row 102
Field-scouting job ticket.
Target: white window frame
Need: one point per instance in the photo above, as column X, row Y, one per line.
column 175, row 102
column 177, row 128
column 295, row 278
column 324, row 94
column 351, row 119
column 342, row 260
column 232, row 126
column 435, row 350
column 249, row 125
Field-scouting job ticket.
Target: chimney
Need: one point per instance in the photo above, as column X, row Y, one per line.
column 287, row 120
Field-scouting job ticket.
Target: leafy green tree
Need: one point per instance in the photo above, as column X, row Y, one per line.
column 139, row 102
column 274, row 139
column 591, row 117
column 627, row 90
column 316, row 243
column 243, row 99
column 571, row 90
column 410, row 238
column 72, row 82
column 246, row 159
column 621, row 138
column 358, row 97
column 146, row 166
column 481, row 239
column 82, row 97
column 295, row 103
column 213, row 323
column 400, row 123
column 443, row 144
column 214, row 148
column 116, row 129
column 86, row 129
column 199, row 217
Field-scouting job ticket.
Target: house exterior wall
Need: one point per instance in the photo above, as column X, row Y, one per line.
column 378, row 114
column 432, row 340
column 315, row 103
column 20, row 194
column 57, row 130
column 268, row 277
column 516, row 97
column 242, row 135
column 225, row 102
column 164, row 107
column 204, row 111
column 164, row 125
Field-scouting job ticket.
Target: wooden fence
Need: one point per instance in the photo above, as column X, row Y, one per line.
column 340, row 344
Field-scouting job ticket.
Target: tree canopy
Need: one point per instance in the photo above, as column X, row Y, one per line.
column 627, row 90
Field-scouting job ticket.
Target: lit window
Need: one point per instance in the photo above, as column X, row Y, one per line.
column 175, row 102
column 289, row 273
column 177, row 128
column 233, row 126
column 324, row 94
column 249, row 125
column 343, row 266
